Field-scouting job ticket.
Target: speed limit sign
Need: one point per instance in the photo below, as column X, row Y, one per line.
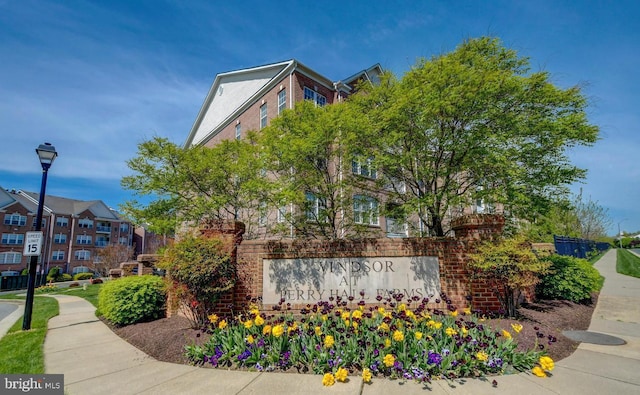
column 33, row 244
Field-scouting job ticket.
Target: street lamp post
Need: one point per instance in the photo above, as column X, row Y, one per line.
column 620, row 233
column 47, row 154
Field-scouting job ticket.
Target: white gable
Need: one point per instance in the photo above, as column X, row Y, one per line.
column 5, row 198
column 228, row 93
column 99, row 209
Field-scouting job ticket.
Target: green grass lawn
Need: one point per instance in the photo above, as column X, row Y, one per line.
column 23, row 351
column 90, row 294
column 595, row 258
column 628, row 263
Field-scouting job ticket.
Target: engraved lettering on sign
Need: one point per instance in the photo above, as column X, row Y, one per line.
column 308, row 280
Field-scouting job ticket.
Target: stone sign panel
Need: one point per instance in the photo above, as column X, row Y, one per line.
column 309, row 280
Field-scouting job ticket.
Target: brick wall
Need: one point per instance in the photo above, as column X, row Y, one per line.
column 452, row 252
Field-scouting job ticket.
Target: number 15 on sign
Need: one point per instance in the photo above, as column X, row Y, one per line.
column 34, row 244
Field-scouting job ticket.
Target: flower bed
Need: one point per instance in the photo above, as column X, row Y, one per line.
column 401, row 339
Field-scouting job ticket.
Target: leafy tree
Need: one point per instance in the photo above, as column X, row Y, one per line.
column 573, row 218
column 309, row 163
column 625, row 242
column 194, row 183
column 559, row 219
column 510, row 267
column 199, row 270
column 110, row 257
column 594, row 219
column 473, row 124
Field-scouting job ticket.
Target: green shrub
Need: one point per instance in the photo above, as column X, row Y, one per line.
column 509, row 267
column 570, row 278
column 199, row 270
column 53, row 273
column 83, row 276
column 63, row 277
column 132, row 299
column 24, row 272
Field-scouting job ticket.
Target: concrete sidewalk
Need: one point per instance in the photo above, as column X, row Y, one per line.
column 96, row 361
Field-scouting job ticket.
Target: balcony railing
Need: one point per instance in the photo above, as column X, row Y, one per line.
column 103, row 229
column 101, row 243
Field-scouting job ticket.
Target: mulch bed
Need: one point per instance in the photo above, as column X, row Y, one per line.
column 164, row 339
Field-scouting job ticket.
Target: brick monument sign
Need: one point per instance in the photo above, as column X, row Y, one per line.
column 303, row 272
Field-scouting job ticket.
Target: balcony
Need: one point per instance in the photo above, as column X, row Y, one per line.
column 103, row 229
column 101, row 243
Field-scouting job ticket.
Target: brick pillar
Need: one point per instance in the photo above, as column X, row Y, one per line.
column 471, row 229
column 230, row 233
column 478, row 226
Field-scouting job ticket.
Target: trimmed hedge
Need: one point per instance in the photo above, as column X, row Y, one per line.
column 570, row 278
column 53, row 273
column 134, row 299
column 83, row 276
column 63, row 277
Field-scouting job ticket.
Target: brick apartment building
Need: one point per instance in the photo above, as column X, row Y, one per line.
column 243, row 100
column 73, row 231
column 247, row 99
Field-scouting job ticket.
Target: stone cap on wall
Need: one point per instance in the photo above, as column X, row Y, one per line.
column 148, row 259
column 478, row 225
column 222, row 226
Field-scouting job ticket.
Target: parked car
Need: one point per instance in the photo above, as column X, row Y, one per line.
column 9, row 273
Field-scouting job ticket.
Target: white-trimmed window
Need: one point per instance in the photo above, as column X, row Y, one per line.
column 316, row 208
column 83, row 239
column 60, row 238
column 262, row 214
column 15, row 219
column 82, row 255
column 124, row 228
column 365, row 210
column 12, row 238
column 10, row 257
column 282, row 214
column 318, row 99
column 282, row 101
column 395, row 185
column 364, row 168
column 85, row 223
column 123, row 240
column 238, row 131
column 482, row 206
column 57, row 255
column 62, row 221
column 102, row 241
column 42, row 225
column 263, row 116
column 396, row 227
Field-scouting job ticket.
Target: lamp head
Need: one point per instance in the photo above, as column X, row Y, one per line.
column 47, row 154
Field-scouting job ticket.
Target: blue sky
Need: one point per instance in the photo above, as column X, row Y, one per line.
column 95, row 78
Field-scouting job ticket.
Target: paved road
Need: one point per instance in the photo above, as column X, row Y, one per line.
column 6, row 309
column 10, row 312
